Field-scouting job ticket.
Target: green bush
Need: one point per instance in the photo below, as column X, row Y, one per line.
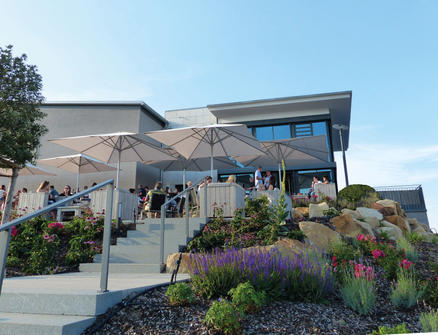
column 357, row 195
column 414, row 238
column 223, row 317
column 331, row 212
column 430, row 292
column 358, row 294
column 218, row 281
column 297, row 235
column 246, row 299
column 403, row 245
column 206, row 242
column 429, row 321
column 399, row 329
column 405, row 293
column 180, row 294
column 435, row 240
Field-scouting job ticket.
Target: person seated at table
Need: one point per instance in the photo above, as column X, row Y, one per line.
column 267, row 178
column 271, row 185
column 314, row 182
column 85, row 197
column 325, row 180
column 53, row 194
column 209, row 181
column 231, row 178
column 66, row 192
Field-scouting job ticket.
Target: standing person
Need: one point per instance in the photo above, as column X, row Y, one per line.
column 314, row 182
column 258, row 178
column 267, row 178
column 141, row 191
column 2, row 196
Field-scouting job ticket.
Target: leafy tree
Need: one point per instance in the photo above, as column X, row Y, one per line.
column 20, row 116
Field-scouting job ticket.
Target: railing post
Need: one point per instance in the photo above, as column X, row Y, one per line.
column 106, row 238
column 187, row 215
column 4, row 244
column 163, row 218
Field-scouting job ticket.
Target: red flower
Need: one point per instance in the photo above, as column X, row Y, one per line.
column 378, row 253
column 334, row 258
column 335, row 264
column 14, row 231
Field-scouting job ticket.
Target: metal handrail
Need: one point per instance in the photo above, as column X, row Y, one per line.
column 5, row 230
column 187, row 229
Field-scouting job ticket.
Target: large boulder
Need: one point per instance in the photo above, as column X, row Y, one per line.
column 369, row 213
column 372, row 221
column 394, row 232
column 352, row 213
column 183, row 266
column 386, row 211
column 296, row 215
column 400, row 222
column 290, row 247
column 318, row 235
column 394, row 205
column 415, row 225
column 350, row 227
column 317, row 210
column 304, row 211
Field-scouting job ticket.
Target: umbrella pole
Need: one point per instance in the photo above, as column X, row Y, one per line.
column 184, row 179
column 77, row 183
column 118, row 170
column 211, row 161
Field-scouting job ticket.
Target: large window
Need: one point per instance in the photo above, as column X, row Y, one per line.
column 269, row 133
column 304, row 179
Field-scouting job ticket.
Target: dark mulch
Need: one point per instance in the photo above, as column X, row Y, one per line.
column 152, row 314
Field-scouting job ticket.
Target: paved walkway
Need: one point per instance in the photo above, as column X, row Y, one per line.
column 84, row 282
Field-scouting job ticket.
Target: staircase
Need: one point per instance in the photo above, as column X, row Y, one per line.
column 139, row 252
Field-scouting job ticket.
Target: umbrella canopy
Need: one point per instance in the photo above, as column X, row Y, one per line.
column 115, row 148
column 218, row 140
column 78, row 164
column 294, row 152
column 28, row 170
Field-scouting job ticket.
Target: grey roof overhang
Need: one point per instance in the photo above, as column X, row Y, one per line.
column 160, row 119
column 338, row 104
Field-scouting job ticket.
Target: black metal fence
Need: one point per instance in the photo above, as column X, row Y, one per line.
column 410, row 197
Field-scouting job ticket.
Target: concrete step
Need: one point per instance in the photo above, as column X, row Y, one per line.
column 37, row 324
column 137, row 254
column 115, row 267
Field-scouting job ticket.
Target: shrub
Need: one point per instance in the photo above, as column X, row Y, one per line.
column 180, row 294
column 399, row 329
column 404, row 293
column 208, row 241
column 429, row 321
column 331, row 212
column 435, row 240
column 404, row 246
column 414, row 238
column 246, row 299
column 358, row 290
column 297, row 235
column 215, row 274
column 351, row 196
column 223, row 317
column 430, row 293
column 391, row 261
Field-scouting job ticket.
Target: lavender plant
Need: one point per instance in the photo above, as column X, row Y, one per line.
column 299, row 277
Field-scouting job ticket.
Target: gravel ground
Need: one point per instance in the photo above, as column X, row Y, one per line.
column 152, row 314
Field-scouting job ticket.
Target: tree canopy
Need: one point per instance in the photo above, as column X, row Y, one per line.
column 20, row 115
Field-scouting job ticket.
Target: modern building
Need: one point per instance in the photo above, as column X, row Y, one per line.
column 273, row 119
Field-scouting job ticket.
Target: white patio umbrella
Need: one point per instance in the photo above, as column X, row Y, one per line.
column 297, row 151
column 28, row 170
column 115, row 148
column 218, row 140
column 196, row 164
column 78, row 164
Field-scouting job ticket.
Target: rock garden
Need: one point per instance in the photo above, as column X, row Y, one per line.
column 356, row 265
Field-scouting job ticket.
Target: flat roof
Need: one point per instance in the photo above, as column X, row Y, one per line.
column 139, row 103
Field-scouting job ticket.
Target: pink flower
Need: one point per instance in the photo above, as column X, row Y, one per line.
column 14, row 231
column 89, row 242
column 378, row 253
column 360, row 237
column 406, row 264
column 56, row 225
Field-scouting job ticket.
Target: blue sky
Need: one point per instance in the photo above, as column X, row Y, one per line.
column 177, row 54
